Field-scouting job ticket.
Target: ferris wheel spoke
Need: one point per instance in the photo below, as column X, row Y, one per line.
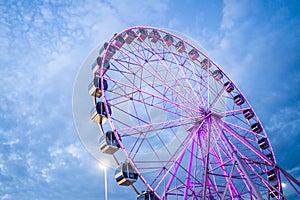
column 135, row 90
column 163, row 61
column 179, row 85
column 197, row 79
column 185, row 75
column 250, row 135
column 229, row 112
column 221, row 104
column 162, row 80
column 133, row 153
column 133, row 130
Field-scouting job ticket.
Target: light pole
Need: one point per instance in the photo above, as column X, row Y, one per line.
column 105, row 180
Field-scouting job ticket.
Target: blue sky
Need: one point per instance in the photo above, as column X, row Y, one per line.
column 44, row 43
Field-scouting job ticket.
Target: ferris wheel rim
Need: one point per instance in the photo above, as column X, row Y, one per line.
column 110, row 119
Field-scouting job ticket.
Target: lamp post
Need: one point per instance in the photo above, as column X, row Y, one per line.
column 105, row 180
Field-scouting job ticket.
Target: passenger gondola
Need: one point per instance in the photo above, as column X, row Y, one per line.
column 118, row 42
column 217, row 74
column 205, row 64
column 95, row 87
column 129, row 36
column 110, row 51
column 180, row 47
column 228, row 86
column 238, row 99
column 99, row 113
column 109, row 143
column 154, row 36
column 248, row 114
column 193, row 54
column 168, row 40
column 147, row 195
column 97, row 65
column 256, row 127
column 263, row 143
column 272, row 176
column 125, row 174
column 142, row 34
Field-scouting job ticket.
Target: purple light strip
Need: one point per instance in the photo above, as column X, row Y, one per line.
column 208, row 135
column 189, row 119
column 177, row 164
column 189, row 171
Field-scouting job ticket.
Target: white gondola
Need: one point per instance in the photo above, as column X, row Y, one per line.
column 129, row 36
column 154, row 36
column 125, row 174
column 248, row 114
column 99, row 113
column 256, row 128
column 217, row 74
column 118, row 42
column 205, row 64
column 95, row 86
column 263, row 143
column 168, row 40
column 228, row 86
column 110, row 51
column 193, row 54
column 180, row 47
column 272, row 176
column 96, row 67
column 109, row 143
column 238, row 99
column 147, row 195
column 142, row 34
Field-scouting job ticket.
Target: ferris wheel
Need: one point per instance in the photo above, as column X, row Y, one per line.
column 175, row 125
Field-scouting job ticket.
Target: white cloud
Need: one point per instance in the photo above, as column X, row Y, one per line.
column 6, row 196
column 283, row 124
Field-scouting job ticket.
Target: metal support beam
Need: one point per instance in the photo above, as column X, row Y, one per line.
column 228, row 181
column 207, row 157
column 188, row 182
column 242, row 168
